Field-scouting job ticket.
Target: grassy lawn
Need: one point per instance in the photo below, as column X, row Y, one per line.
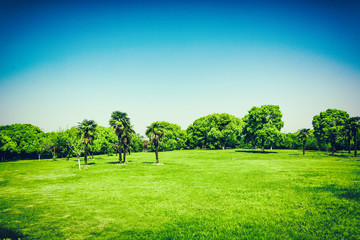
column 196, row 194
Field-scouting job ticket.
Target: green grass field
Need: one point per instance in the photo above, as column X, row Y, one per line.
column 196, row 194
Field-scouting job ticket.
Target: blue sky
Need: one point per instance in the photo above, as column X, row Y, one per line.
column 62, row 62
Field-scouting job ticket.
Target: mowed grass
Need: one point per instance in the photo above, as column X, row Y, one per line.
column 196, row 194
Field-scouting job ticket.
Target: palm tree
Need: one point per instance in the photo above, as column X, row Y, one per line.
column 120, row 122
column 87, row 130
column 303, row 134
column 155, row 132
column 354, row 125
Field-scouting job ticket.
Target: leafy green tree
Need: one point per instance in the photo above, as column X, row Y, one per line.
column 174, row 138
column 303, row 135
column 43, row 144
column 354, row 126
column 120, row 122
column 104, row 140
column 7, row 146
column 329, row 126
column 263, row 124
column 74, row 142
column 214, row 131
column 137, row 142
column 155, row 132
column 87, row 131
column 23, row 138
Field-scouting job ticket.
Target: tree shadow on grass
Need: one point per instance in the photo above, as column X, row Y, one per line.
column 92, row 163
column 117, row 162
column 347, row 193
column 253, row 151
column 6, row 233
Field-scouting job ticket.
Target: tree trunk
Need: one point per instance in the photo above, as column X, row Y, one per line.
column 262, row 145
column 355, row 144
column 85, row 154
column 304, row 143
column 125, row 150
column 333, row 149
column 349, row 144
column 79, row 161
column 157, row 154
column 39, row 156
column 120, row 157
column 223, row 147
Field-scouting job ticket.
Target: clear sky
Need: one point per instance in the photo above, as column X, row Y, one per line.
column 65, row 61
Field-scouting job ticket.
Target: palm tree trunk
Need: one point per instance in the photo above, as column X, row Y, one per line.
column 125, row 150
column 85, row 154
column 120, row 157
column 157, row 154
column 304, row 143
column 355, row 144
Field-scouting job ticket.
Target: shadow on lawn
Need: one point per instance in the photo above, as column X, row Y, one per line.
column 347, row 193
column 253, row 151
column 6, row 233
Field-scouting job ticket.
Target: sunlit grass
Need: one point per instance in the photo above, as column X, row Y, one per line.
column 198, row 194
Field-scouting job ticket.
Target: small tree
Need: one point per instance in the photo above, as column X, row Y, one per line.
column 74, row 143
column 303, row 134
column 155, row 133
column 43, row 144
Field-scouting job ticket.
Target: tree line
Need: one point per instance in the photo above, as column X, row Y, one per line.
column 333, row 130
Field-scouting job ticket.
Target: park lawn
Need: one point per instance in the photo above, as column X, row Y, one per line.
column 196, row 194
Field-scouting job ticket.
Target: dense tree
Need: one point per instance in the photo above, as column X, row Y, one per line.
column 7, row 147
column 23, row 140
column 329, row 126
column 43, row 144
column 155, row 132
column 354, row 126
column 87, row 131
column 303, row 135
column 263, row 124
column 120, row 122
column 174, row 138
column 214, row 131
column 104, row 140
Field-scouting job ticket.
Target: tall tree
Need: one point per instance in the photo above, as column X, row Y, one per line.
column 155, row 132
column 87, row 130
column 303, row 135
column 217, row 130
column 120, row 122
column 354, row 123
column 263, row 124
column 329, row 126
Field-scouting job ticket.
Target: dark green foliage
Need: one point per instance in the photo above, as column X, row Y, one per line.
column 174, row 138
column 214, row 131
column 329, row 127
column 263, row 125
column 18, row 141
column 87, row 129
column 120, row 122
